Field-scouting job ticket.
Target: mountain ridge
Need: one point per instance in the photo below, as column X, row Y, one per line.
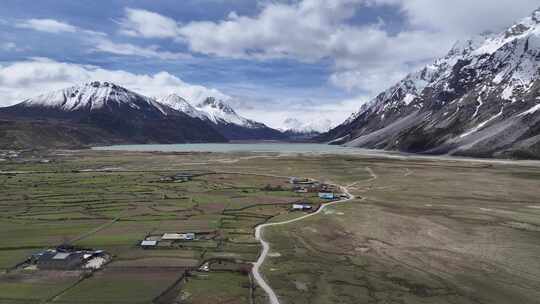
column 124, row 116
column 481, row 100
column 120, row 115
column 224, row 118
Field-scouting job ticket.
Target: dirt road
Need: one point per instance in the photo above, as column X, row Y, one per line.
column 266, row 246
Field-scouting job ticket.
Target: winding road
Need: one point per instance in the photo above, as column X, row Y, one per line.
column 266, row 246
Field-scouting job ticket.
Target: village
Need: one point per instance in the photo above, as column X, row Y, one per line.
column 325, row 192
column 213, row 247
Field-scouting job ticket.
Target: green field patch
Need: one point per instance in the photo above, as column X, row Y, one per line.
column 43, row 234
column 136, row 286
column 156, row 262
column 10, row 258
column 218, row 287
column 40, row 285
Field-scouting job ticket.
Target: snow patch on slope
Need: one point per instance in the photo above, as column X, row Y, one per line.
column 180, row 104
column 91, row 96
column 211, row 109
column 481, row 125
column 531, row 110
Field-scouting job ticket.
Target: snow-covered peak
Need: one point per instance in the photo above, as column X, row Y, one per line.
column 220, row 112
column 513, row 53
column 314, row 126
column 214, row 103
column 180, row 104
column 90, row 96
column 536, row 15
column 211, row 109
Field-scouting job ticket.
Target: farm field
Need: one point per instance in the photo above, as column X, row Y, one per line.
column 419, row 230
column 112, row 201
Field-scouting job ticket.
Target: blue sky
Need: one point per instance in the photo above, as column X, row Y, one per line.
column 315, row 61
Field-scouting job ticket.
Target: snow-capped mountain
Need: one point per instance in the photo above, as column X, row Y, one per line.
column 119, row 114
column 314, row 126
column 220, row 112
column 93, row 96
column 481, row 99
column 223, row 117
column 180, row 104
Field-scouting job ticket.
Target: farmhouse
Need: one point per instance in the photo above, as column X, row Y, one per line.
column 55, row 260
column 69, row 258
column 183, row 177
column 301, row 207
column 178, row 237
column 300, row 181
column 146, row 244
column 300, row 190
column 326, row 195
column 178, row 178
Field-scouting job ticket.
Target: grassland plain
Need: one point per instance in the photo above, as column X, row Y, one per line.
column 421, row 231
column 112, row 201
column 425, row 232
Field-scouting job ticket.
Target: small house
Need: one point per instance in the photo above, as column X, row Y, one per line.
column 326, row 195
column 146, row 244
column 178, row 237
column 56, row 260
column 301, row 207
column 183, row 177
column 297, row 180
column 300, row 190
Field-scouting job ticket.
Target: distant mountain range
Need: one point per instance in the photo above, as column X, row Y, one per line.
column 482, row 99
column 105, row 113
column 224, row 119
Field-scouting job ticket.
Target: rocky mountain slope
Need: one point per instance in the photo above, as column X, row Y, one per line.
column 100, row 113
column 482, row 99
column 224, row 118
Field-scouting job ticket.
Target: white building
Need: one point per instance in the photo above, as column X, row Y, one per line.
column 301, row 207
column 178, row 236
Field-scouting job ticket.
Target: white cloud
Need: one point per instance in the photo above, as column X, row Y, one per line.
column 128, row 49
column 139, row 22
column 8, row 46
column 54, row 26
column 47, row 25
column 375, row 81
column 308, row 31
column 366, row 57
column 312, row 115
column 466, row 17
column 98, row 41
column 24, row 79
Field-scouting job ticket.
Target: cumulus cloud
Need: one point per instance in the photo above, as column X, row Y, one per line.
column 128, row 49
column 308, row 115
column 8, row 46
column 139, row 22
column 367, row 57
column 98, row 42
column 307, row 31
column 47, row 25
column 465, row 17
column 53, row 26
column 24, row 79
